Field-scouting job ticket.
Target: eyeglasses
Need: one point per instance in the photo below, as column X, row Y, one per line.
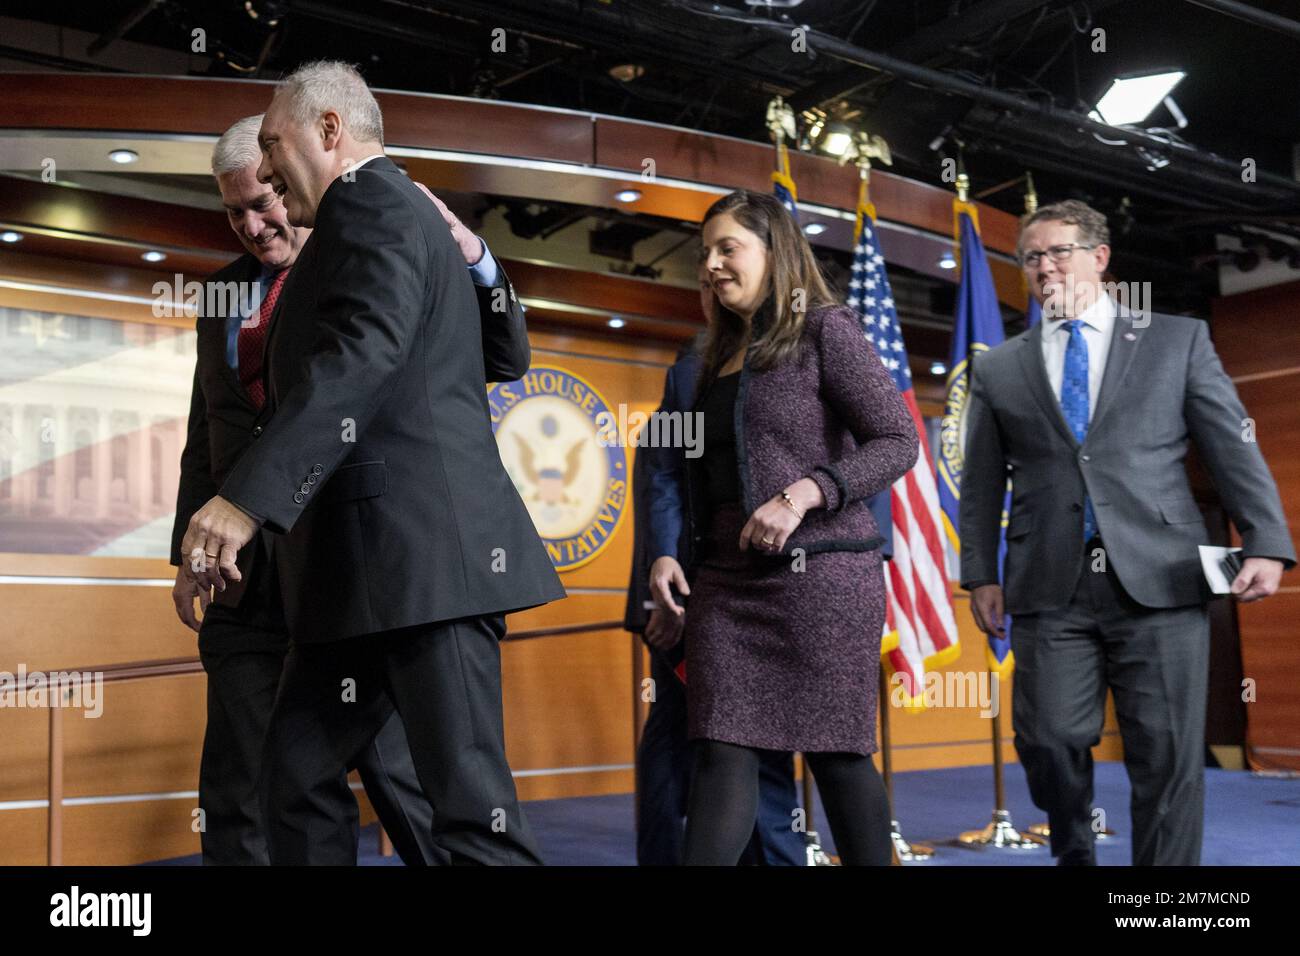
column 1055, row 253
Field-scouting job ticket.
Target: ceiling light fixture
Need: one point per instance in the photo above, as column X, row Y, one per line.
column 1132, row 99
column 837, row 140
column 124, row 157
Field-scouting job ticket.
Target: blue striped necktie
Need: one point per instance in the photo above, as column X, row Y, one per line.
column 1074, row 404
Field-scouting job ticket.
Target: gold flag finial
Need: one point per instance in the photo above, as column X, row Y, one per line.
column 963, row 187
column 1031, row 196
column 780, row 121
column 864, row 148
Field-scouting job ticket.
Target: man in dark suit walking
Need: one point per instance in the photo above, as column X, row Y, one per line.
column 243, row 638
column 1090, row 413
column 400, row 541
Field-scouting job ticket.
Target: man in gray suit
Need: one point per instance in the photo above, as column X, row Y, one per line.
column 1103, row 580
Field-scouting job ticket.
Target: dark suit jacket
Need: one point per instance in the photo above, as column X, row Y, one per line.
column 1163, row 386
column 635, row 616
column 667, row 473
column 223, row 420
column 373, row 322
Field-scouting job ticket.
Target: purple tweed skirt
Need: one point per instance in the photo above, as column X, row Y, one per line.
column 782, row 659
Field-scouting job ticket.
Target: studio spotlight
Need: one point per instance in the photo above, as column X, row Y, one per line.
column 1132, row 99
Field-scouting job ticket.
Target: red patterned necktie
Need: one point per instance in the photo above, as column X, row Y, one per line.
column 252, row 342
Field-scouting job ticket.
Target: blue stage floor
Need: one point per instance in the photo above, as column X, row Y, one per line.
column 1250, row 821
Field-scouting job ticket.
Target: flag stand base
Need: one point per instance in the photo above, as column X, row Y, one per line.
column 1044, row 830
column 907, row 852
column 816, row 855
column 1000, row 834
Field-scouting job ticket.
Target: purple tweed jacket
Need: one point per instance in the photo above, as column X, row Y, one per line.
column 831, row 413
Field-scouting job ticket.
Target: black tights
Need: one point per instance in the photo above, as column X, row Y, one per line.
column 724, row 804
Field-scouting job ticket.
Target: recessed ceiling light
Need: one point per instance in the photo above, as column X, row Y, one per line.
column 153, row 255
column 616, row 323
column 938, row 368
column 814, row 228
column 123, row 157
column 1132, row 99
column 947, row 261
column 11, row 236
column 628, row 195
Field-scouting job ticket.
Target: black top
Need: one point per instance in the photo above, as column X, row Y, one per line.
column 720, row 470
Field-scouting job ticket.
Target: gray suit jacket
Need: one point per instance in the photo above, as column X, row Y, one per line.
column 1163, row 385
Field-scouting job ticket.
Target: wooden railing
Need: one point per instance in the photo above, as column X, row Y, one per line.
column 180, row 666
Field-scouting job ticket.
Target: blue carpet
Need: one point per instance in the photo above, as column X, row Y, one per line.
column 1250, row 821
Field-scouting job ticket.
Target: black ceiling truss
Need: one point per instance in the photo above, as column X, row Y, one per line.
column 999, row 79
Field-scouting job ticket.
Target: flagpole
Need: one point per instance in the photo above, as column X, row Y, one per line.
column 781, row 125
column 1000, row 833
column 904, row 852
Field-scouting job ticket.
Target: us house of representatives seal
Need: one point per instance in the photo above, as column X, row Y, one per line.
column 547, row 427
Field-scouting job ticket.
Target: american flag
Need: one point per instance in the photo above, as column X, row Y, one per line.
column 920, row 629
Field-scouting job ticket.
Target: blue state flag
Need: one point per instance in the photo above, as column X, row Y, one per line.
column 978, row 328
column 783, row 183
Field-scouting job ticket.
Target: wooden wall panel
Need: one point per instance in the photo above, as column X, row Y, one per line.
column 78, row 625
column 1270, row 658
column 1258, row 340
column 127, row 749
column 1242, row 322
column 1271, row 402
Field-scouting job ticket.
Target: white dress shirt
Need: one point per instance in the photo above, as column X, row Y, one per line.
column 1097, row 323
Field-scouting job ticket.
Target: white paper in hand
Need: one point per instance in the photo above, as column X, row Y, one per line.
column 1212, row 564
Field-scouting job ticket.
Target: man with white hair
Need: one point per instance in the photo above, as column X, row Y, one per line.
column 402, row 541
column 243, row 638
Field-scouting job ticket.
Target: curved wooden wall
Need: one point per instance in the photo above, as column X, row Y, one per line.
column 587, row 141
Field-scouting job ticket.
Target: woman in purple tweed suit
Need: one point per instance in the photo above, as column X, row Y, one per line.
column 802, row 424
